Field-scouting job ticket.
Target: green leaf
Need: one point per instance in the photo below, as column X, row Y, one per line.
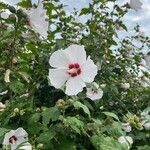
column 85, row 11
column 100, row 142
column 49, row 7
column 34, row 124
column 76, row 124
column 50, row 114
column 115, row 129
column 16, row 86
column 3, row 131
column 66, row 144
column 45, row 137
column 79, row 105
column 25, row 76
column 145, row 147
column 25, row 3
column 110, row 114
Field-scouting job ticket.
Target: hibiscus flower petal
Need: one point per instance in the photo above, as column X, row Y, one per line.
column 94, row 96
column 19, row 141
column 77, row 53
column 89, row 71
column 7, row 136
column 37, row 21
column 21, row 132
column 59, row 59
column 58, row 77
column 74, row 86
column 26, row 146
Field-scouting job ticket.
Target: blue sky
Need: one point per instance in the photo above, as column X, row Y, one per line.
column 142, row 16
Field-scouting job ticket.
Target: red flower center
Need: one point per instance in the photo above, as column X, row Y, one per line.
column 13, row 139
column 74, row 70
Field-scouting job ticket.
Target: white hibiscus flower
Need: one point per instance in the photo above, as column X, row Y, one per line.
column 126, row 140
column 135, row 4
column 37, row 20
column 15, row 137
column 26, row 146
column 94, row 92
column 71, row 68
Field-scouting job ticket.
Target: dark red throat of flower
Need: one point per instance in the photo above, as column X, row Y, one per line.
column 74, row 70
column 94, row 91
column 13, row 139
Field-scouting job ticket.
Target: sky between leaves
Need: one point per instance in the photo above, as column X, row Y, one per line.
column 142, row 17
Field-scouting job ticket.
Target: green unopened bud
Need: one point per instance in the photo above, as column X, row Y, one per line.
column 20, row 13
column 22, row 112
column 16, row 110
column 12, row 9
column 90, row 127
column 14, row 60
column 136, row 119
column 40, row 146
column 43, row 108
column 5, row 147
column 139, row 125
column 38, row 109
column 12, row 17
column 70, row 101
column 60, row 103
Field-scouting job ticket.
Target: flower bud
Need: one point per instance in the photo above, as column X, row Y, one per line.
column 103, row 85
column 7, row 76
column 38, row 109
column 14, row 60
column 60, row 103
column 125, row 86
column 12, row 9
column 147, row 126
column 22, row 112
column 40, row 146
column 16, row 110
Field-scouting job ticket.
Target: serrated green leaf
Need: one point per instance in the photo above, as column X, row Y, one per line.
column 110, row 114
column 46, row 136
column 50, row 114
column 3, row 131
column 100, row 142
column 76, row 124
column 145, row 147
column 79, row 105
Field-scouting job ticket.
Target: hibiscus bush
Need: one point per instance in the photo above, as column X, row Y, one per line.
column 68, row 81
